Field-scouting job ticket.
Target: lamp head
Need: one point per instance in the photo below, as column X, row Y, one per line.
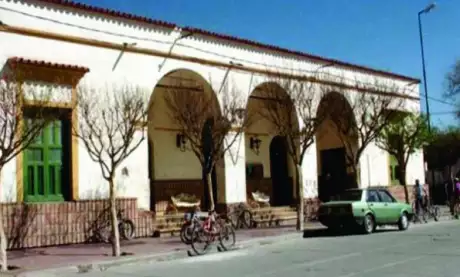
column 429, row 7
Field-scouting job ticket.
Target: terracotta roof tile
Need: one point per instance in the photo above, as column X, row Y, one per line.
column 114, row 13
column 20, row 60
column 105, row 11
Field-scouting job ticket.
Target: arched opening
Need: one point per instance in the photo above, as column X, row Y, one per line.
column 334, row 146
column 269, row 166
column 173, row 168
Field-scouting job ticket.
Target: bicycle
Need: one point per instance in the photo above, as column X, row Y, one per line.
column 241, row 218
column 427, row 211
column 126, row 227
column 190, row 220
column 212, row 228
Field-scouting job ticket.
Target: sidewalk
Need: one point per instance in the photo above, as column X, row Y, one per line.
column 80, row 256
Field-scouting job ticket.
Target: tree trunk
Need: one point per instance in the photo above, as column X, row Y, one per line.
column 3, row 246
column 3, row 243
column 402, row 181
column 114, row 220
column 355, row 172
column 300, row 204
column 210, row 193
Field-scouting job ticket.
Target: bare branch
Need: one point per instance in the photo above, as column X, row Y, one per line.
column 453, row 80
column 196, row 112
column 290, row 106
column 17, row 132
column 108, row 124
column 360, row 120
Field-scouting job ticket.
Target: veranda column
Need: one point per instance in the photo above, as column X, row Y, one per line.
column 235, row 171
column 310, row 181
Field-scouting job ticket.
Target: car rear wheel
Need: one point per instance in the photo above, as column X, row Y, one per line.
column 403, row 222
column 369, row 224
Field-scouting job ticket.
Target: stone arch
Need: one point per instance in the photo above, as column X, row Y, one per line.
column 264, row 171
column 333, row 146
column 172, row 169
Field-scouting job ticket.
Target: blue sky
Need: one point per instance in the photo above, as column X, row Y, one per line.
column 380, row 33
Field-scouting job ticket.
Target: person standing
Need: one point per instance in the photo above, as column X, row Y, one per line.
column 456, row 197
column 419, row 194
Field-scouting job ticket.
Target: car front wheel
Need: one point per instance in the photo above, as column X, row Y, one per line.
column 369, row 224
column 403, row 222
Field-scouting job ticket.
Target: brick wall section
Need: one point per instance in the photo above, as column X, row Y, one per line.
column 47, row 224
column 398, row 192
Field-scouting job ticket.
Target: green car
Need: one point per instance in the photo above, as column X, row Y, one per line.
column 366, row 209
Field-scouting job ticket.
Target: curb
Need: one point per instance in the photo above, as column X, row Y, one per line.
column 149, row 258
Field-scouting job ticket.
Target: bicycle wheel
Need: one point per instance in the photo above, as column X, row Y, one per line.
column 186, row 233
column 227, row 237
column 234, row 220
column 104, row 233
column 200, row 240
column 127, row 229
column 246, row 219
column 425, row 215
column 435, row 213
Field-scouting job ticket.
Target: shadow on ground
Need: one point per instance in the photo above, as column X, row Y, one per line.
column 325, row 232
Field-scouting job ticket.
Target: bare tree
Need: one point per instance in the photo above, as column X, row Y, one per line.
column 453, row 80
column 198, row 111
column 22, row 117
column 358, row 122
column 111, row 125
column 405, row 134
column 290, row 106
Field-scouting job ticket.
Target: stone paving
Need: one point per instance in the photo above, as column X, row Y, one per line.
column 425, row 250
column 61, row 256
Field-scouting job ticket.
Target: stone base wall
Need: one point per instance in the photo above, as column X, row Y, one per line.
column 311, row 206
column 47, row 224
column 164, row 189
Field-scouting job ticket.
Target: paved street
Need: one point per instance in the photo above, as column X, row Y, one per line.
column 424, row 250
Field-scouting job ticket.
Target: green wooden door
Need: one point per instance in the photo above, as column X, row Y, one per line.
column 43, row 165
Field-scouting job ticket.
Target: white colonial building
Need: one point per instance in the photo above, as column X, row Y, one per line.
column 90, row 45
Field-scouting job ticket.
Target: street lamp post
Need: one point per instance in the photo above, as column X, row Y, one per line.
column 425, row 10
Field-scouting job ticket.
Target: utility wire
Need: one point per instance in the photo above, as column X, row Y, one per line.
column 445, row 113
column 166, row 42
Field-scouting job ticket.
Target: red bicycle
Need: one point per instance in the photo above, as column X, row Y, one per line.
column 212, row 228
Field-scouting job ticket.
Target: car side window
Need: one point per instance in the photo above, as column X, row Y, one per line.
column 385, row 196
column 372, row 196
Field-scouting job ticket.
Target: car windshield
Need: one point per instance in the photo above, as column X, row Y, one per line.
column 349, row 195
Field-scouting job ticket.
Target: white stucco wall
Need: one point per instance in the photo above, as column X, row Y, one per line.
column 106, row 66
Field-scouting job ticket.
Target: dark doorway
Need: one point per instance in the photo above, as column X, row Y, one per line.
column 282, row 187
column 66, row 173
column 151, row 175
column 333, row 178
column 208, row 144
